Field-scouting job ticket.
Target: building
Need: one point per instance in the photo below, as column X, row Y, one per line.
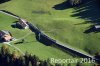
column 5, row 36
column 22, row 24
column 97, row 26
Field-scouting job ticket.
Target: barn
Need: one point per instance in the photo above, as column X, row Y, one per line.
column 5, row 36
column 22, row 24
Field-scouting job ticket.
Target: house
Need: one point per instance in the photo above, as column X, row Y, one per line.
column 5, row 36
column 97, row 26
column 22, row 24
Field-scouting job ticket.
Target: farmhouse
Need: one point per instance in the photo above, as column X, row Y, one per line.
column 5, row 36
column 22, row 24
column 97, row 26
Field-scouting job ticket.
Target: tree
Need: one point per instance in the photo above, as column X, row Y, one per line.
column 4, row 56
column 34, row 60
column 79, row 64
column 27, row 59
column 4, row 49
column 46, row 63
column 69, row 64
column 16, row 59
column 57, row 64
column 75, row 2
column 21, row 61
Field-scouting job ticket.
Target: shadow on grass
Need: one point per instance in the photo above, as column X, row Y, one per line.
column 15, row 25
column 92, row 29
column 1, row 40
column 88, row 11
column 41, row 12
column 66, row 4
column 62, row 6
column 3, row 1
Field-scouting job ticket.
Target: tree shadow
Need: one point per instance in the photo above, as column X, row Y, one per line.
column 19, row 43
column 3, row 1
column 90, row 12
column 98, row 2
column 92, row 29
column 23, row 41
column 66, row 4
column 62, row 6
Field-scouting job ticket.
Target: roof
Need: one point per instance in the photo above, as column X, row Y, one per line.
column 7, row 37
column 23, row 20
column 23, row 23
column 3, row 32
column 97, row 26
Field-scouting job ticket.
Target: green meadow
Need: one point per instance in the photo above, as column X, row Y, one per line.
column 67, row 26
column 30, row 45
column 59, row 24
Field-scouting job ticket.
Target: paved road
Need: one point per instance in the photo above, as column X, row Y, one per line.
column 10, row 14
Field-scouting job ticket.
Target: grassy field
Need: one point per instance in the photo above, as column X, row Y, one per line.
column 66, row 25
column 63, row 25
column 31, row 44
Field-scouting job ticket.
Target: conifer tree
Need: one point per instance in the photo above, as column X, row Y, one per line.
column 27, row 59
column 4, row 55
column 75, row 2
column 79, row 64
column 15, row 58
column 69, row 64
column 41, row 63
column 57, row 64
column 21, row 61
column 34, row 60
